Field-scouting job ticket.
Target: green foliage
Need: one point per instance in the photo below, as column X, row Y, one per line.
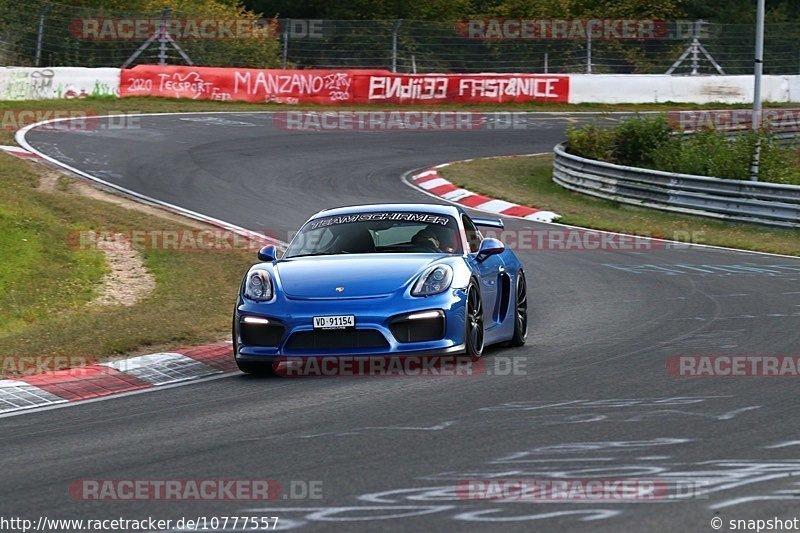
column 648, row 143
column 453, row 9
column 636, row 139
column 591, row 142
column 779, row 164
column 723, row 11
column 427, row 34
column 47, row 279
column 740, row 11
column 61, row 47
column 707, row 153
column 710, row 153
column 632, row 142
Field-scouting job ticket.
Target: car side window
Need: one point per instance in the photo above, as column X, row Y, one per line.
column 474, row 236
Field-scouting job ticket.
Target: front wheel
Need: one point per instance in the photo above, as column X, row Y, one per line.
column 474, row 323
column 520, row 312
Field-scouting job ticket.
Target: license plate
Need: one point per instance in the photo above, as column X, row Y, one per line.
column 334, row 322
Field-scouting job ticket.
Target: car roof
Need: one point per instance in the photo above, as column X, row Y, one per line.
column 437, row 209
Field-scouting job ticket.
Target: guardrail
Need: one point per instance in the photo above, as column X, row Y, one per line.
column 787, row 138
column 739, row 200
column 782, row 138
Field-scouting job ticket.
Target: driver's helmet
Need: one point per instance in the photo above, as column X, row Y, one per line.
column 444, row 236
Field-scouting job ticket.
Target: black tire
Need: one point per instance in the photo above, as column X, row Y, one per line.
column 473, row 338
column 520, row 312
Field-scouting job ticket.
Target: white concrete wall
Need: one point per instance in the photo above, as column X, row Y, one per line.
column 23, row 83
column 647, row 88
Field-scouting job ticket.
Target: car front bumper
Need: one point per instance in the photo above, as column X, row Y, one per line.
column 372, row 335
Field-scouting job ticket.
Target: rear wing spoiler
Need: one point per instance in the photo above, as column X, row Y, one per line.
column 489, row 222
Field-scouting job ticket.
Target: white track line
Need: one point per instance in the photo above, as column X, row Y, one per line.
column 115, row 396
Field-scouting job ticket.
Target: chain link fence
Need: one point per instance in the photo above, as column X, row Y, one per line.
column 39, row 33
column 43, row 33
column 687, row 47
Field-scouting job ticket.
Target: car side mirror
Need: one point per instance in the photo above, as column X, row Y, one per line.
column 488, row 248
column 267, row 254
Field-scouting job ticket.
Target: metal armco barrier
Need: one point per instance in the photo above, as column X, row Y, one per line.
column 739, row 200
column 784, row 138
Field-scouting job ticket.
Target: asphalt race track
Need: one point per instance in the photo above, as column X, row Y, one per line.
column 594, row 401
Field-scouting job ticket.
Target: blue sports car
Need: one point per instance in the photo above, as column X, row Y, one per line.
column 391, row 279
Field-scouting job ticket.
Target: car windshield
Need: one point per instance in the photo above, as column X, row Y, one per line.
column 377, row 232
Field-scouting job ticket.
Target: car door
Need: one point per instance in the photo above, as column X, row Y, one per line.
column 489, row 272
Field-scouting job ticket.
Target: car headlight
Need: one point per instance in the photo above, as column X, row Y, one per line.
column 433, row 281
column 259, row 286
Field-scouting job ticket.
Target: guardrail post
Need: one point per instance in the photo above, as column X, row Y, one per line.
column 395, row 31
column 758, row 71
column 285, row 52
column 39, row 34
column 588, row 52
column 162, row 38
column 696, row 49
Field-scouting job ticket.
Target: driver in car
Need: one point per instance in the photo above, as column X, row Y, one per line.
column 436, row 236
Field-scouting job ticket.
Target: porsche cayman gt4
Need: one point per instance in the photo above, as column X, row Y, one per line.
column 391, row 280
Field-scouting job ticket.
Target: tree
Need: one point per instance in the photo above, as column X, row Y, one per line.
column 63, row 44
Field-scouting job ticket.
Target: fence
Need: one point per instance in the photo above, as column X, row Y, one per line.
column 43, row 33
column 748, row 201
column 39, row 33
column 683, row 47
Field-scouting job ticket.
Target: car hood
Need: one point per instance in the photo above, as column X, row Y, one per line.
column 359, row 275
